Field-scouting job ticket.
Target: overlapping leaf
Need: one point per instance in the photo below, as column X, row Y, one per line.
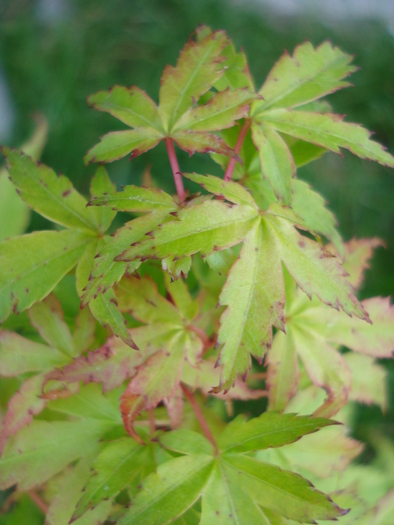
column 234, row 488
column 314, row 331
column 295, row 81
column 254, row 291
column 177, row 117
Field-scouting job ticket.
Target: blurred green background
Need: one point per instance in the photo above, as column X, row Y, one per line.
column 52, row 59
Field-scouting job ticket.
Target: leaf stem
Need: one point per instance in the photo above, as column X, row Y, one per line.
column 175, row 169
column 38, row 501
column 237, row 149
column 200, row 416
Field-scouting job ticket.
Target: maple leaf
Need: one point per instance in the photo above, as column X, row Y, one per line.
column 295, row 81
column 254, row 292
column 313, row 332
column 19, row 355
column 169, row 338
column 233, row 487
column 177, row 118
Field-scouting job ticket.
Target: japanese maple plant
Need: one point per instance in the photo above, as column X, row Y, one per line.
column 239, row 288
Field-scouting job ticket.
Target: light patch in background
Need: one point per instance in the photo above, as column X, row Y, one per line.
column 7, row 111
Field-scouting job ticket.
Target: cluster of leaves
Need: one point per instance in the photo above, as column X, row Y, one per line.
column 244, row 273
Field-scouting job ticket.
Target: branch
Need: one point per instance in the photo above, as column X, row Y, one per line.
column 175, row 169
column 238, row 145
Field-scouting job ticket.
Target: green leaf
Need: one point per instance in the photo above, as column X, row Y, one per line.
column 280, row 491
column 367, row 387
column 220, row 112
column 277, row 164
column 130, row 105
column 185, row 441
column 117, row 144
column 100, row 185
column 68, row 490
column 170, row 491
column 52, row 196
column 307, row 75
column 19, row 355
column 192, row 141
column 196, row 71
column 236, row 74
column 48, row 318
column 282, row 373
column 325, row 367
column 268, row 430
column 84, row 334
column 226, row 503
column 177, row 267
column 310, row 206
column 254, row 296
column 14, row 213
column 135, row 199
column 358, row 252
column 230, row 190
column 114, row 469
column 33, row 264
column 41, row 450
column 201, row 227
column 180, row 295
column 328, row 131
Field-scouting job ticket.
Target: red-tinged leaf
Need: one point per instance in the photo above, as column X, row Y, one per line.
column 326, row 368
column 282, row 371
column 205, row 376
column 110, row 365
column 195, row 73
column 368, row 380
column 130, row 105
column 117, row 144
column 84, row 334
column 156, row 379
column 220, row 112
column 358, row 252
column 174, row 406
column 192, row 141
column 25, row 404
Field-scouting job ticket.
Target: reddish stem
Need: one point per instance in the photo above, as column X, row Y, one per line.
column 237, row 149
column 175, row 169
column 38, row 501
column 200, row 416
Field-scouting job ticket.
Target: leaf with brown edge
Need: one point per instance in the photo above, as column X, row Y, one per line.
column 117, row 144
column 358, row 253
column 156, row 379
column 195, row 73
column 110, row 365
column 202, row 142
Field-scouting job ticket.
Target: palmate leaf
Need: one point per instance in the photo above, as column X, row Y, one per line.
column 234, row 488
column 52, row 196
column 33, row 264
column 307, row 75
column 367, row 388
column 254, row 291
column 197, row 69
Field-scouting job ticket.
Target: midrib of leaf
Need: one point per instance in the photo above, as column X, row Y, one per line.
column 299, row 84
column 63, row 204
column 44, row 263
column 191, row 78
column 229, row 497
column 329, row 134
column 275, row 487
column 213, row 114
column 106, row 416
column 137, row 199
column 115, row 470
column 173, row 487
column 139, row 115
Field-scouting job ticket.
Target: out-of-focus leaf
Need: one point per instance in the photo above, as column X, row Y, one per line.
column 368, row 380
column 52, row 196
column 358, row 252
column 33, row 264
column 48, row 318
